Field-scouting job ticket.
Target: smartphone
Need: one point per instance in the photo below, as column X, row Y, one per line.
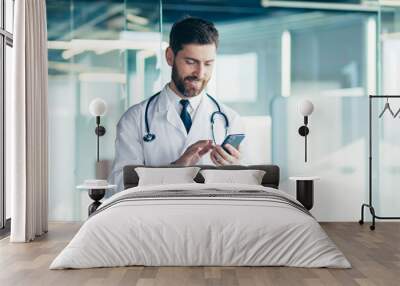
column 234, row 140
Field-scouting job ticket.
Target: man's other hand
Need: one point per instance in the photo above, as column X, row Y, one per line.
column 194, row 152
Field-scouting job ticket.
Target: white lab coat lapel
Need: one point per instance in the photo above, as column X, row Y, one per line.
column 200, row 129
column 164, row 105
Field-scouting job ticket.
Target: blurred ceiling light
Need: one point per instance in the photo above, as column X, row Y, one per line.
column 101, row 52
column 133, row 10
column 286, row 66
column 116, row 23
column 66, row 67
column 103, row 77
column 57, row 45
column 75, row 47
column 74, row 67
column 363, row 6
column 389, row 2
column 344, row 92
column 136, row 27
column 94, row 45
column 67, row 54
column 137, row 19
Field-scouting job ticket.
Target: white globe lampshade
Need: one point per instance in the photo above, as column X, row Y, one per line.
column 98, row 107
column 306, row 107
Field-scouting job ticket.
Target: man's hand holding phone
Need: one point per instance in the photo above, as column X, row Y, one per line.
column 228, row 153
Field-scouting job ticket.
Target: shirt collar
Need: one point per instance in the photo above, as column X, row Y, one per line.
column 175, row 99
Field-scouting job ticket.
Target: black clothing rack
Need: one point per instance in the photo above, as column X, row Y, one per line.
column 369, row 205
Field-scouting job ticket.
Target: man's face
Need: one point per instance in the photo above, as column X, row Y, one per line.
column 192, row 68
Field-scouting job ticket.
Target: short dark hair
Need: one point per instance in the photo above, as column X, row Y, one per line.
column 192, row 30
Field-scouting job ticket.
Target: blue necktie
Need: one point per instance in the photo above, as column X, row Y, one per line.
column 185, row 116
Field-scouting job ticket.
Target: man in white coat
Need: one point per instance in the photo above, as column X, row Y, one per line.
column 179, row 117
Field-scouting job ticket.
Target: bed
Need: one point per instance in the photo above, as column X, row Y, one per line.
column 198, row 224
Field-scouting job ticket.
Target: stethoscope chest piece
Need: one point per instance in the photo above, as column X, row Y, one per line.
column 149, row 137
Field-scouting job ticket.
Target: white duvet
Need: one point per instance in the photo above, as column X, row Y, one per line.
column 200, row 231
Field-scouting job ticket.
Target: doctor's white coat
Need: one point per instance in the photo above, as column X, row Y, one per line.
column 171, row 138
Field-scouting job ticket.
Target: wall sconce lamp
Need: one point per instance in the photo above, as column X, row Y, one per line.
column 97, row 108
column 305, row 108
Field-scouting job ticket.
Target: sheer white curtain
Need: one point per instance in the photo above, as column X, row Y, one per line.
column 26, row 119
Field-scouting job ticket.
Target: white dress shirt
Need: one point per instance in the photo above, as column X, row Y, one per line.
column 194, row 102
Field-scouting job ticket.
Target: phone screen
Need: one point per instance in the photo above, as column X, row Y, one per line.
column 234, row 140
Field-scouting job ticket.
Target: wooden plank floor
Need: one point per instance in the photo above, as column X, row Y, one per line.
column 375, row 257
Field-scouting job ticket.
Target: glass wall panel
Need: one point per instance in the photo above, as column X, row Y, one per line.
column 386, row 137
column 96, row 37
column 143, row 30
column 97, row 49
column 63, row 197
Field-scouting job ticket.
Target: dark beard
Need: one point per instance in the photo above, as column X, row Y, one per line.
column 180, row 83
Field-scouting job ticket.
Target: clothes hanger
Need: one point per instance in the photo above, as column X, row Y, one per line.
column 387, row 107
column 397, row 113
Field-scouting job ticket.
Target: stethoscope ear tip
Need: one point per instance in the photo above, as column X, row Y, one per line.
column 149, row 137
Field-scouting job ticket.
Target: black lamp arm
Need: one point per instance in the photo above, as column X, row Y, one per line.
column 100, row 131
column 304, row 131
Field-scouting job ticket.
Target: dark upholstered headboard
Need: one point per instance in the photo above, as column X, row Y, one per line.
column 270, row 179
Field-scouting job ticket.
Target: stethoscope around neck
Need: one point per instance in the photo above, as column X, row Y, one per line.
column 148, row 137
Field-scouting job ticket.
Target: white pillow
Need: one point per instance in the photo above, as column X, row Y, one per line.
column 248, row 177
column 163, row 176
